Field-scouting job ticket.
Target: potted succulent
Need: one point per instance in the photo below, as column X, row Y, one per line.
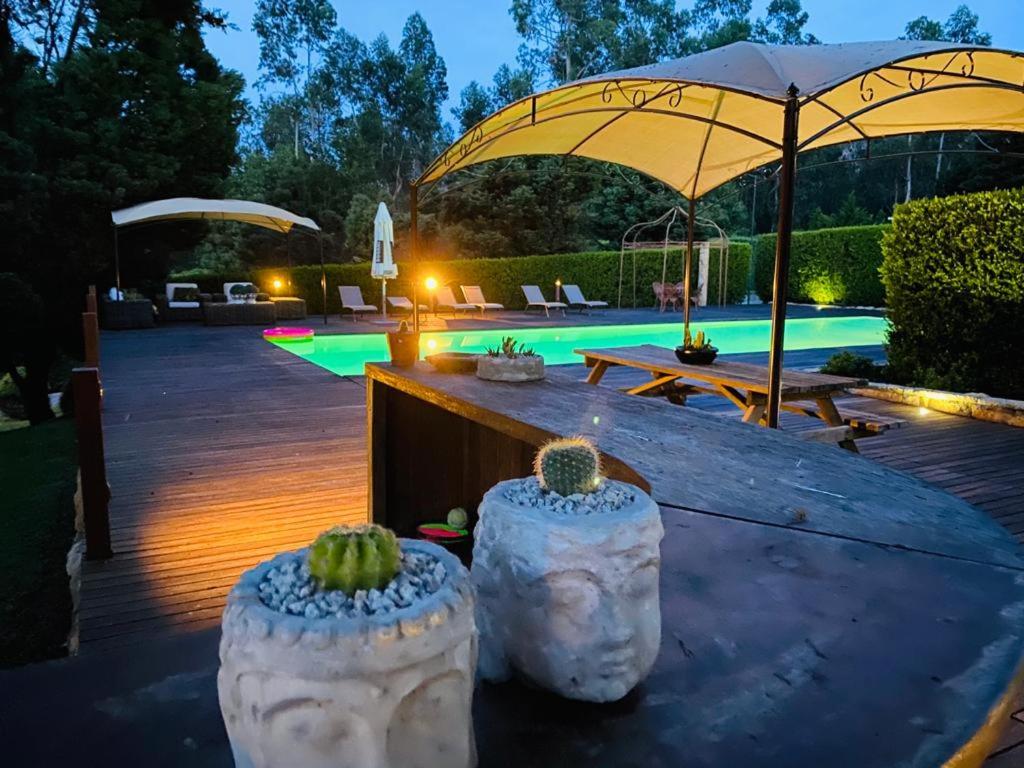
column 359, row 650
column 696, row 350
column 510, row 362
column 566, row 567
column 404, row 346
column 244, row 292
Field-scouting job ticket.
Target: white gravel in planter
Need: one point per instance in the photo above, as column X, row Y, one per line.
column 609, row 496
column 290, row 589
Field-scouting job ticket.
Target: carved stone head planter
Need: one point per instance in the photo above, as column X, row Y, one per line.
column 567, row 585
column 379, row 678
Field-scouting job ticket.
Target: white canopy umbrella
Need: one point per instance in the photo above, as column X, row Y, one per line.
column 383, row 267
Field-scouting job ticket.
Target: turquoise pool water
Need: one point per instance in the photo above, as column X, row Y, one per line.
column 345, row 354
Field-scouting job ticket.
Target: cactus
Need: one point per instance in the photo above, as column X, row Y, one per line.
column 350, row 558
column 510, row 349
column 457, row 518
column 697, row 344
column 568, row 465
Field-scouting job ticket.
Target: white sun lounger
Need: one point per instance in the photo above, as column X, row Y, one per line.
column 475, row 296
column 352, row 300
column 574, row 296
column 403, row 304
column 446, row 300
column 534, row 298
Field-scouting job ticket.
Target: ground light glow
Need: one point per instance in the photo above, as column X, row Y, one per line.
column 346, row 354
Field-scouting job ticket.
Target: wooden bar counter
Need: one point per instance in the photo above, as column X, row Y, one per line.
column 818, row 609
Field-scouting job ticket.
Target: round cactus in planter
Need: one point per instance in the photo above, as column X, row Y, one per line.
column 567, row 583
column 512, row 361
column 359, row 650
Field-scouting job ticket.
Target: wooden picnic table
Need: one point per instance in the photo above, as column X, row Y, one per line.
column 745, row 385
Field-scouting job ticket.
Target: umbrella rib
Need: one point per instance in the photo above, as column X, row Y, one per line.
column 704, row 146
column 899, row 97
column 468, row 160
column 838, row 114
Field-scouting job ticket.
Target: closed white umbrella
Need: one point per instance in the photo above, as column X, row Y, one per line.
column 383, row 267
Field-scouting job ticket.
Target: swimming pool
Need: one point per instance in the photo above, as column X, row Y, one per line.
column 345, row 354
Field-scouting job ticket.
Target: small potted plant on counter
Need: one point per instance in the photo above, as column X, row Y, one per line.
column 359, row 650
column 404, row 346
column 566, row 567
column 696, row 350
column 510, row 362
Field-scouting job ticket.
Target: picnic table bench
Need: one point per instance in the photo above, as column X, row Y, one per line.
column 745, row 385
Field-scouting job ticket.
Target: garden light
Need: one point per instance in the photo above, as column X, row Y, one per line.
column 277, row 284
column 431, row 283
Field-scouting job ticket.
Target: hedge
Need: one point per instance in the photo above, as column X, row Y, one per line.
column 596, row 272
column 953, row 271
column 827, row 266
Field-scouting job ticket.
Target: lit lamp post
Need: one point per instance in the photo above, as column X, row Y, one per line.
column 558, row 289
column 431, row 283
column 277, row 286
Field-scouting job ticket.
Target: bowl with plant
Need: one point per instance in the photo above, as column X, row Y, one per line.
column 696, row 350
column 359, row 650
column 510, row 361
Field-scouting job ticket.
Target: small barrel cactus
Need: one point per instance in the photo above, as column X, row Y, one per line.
column 457, row 518
column 351, row 558
column 568, row 465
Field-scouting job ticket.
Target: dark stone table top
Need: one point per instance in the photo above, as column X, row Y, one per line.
column 817, row 608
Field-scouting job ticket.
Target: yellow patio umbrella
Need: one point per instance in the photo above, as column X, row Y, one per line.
column 698, row 122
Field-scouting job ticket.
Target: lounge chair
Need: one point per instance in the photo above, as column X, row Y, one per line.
column 534, row 298
column 475, row 296
column 446, row 300
column 352, row 300
column 574, row 296
column 402, row 304
column 182, row 301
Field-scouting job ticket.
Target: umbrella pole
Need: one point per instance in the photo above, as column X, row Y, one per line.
column 780, row 293
column 413, row 252
column 687, row 267
column 117, row 266
column 323, row 276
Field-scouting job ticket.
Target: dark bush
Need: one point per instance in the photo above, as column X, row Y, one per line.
column 827, row 266
column 597, row 274
column 954, row 279
column 855, row 366
column 27, row 346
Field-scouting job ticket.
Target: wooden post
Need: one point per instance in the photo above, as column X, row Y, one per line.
column 91, row 334
column 414, row 247
column 90, row 299
column 91, row 462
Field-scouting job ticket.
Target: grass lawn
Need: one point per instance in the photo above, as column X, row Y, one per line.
column 37, row 485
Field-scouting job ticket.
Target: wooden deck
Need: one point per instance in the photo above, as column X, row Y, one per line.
column 222, row 450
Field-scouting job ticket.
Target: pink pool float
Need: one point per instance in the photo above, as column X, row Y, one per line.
column 285, row 334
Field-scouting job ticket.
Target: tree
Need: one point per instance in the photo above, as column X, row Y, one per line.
column 474, row 105
column 960, row 27
column 783, row 24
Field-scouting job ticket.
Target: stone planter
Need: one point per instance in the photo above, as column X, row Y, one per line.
column 523, row 368
column 380, row 691
column 568, row 601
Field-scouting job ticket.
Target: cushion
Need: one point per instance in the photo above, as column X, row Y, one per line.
column 183, row 304
column 185, row 294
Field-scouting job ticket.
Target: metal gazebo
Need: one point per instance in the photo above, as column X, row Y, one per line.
column 697, row 122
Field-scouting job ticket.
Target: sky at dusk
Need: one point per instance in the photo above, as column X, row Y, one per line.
column 475, row 37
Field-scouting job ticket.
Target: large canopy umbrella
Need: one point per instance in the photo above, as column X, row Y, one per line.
column 190, row 208
column 696, row 123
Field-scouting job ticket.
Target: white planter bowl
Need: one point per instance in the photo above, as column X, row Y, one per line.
column 569, row 602
column 370, row 692
column 523, row 368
